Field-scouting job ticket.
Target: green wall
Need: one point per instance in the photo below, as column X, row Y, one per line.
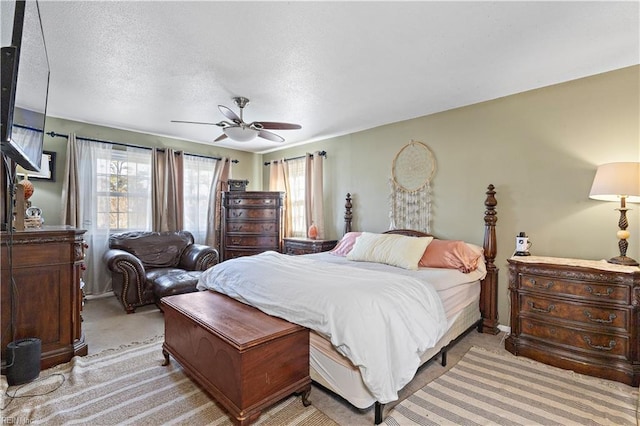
column 48, row 195
column 539, row 148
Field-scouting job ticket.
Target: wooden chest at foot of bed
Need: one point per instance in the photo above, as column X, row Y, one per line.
column 246, row 359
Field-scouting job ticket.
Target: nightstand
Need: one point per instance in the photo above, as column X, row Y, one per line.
column 307, row 245
column 579, row 315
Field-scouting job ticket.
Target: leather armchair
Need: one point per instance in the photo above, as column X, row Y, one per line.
column 146, row 266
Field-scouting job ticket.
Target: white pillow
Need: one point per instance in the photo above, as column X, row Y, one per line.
column 391, row 249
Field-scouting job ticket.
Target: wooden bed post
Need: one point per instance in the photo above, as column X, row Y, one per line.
column 347, row 214
column 489, row 289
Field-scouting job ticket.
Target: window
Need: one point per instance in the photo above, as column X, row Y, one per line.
column 198, row 175
column 123, row 182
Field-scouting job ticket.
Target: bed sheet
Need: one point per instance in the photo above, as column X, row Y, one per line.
column 359, row 310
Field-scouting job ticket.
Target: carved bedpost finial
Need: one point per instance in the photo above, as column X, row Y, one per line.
column 490, row 203
column 347, row 214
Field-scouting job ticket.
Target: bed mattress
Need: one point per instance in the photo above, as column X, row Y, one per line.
column 361, row 306
column 336, row 373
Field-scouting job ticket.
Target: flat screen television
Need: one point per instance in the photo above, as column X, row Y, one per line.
column 25, row 81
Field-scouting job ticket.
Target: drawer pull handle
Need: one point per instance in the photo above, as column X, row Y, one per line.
column 235, row 241
column 598, row 294
column 546, row 286
column 600, row 320
column 237, row 227
column 538, row 309
column 237, row 214
column 612, row 344
column 237, row 201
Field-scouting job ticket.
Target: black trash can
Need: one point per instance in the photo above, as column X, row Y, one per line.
column 23, row 360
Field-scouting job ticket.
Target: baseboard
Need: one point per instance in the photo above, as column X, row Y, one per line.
column 504, row 328
column 99, row 296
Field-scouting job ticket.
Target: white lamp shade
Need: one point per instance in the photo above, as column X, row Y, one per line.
column 615, row 180
column 240, row 133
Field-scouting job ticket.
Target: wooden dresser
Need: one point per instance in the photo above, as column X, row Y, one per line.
column 307, row 245
column 252, row 222
column 47, row 300
column 576, row 314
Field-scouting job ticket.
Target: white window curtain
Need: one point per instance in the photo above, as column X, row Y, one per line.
column 296, row 194
column 314, row 193
column 198, row 178
column 113, row 195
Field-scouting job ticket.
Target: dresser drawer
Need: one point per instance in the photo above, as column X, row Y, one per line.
column 600, row 343
column 262, row 241
column 242, row 214
column 600, row 316
column 233, row 253
column 601, row 292
column 252, row 227
column 250, row 201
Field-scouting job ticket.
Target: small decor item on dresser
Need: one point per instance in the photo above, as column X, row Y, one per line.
column 237, row 185
column 28, row 187
column 33, row 217
column 522, row 245
column 24, row 191
column 313, row 231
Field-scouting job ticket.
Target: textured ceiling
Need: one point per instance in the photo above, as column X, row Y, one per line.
column 333, row 67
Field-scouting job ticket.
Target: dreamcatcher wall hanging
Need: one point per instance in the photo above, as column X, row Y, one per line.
column 410, row 199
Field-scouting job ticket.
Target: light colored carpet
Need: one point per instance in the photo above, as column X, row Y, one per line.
column 106, row 325
column 487, row 388
column 129, row 385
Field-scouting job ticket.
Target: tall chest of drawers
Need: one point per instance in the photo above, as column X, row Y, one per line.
column 578, row 315
column 252, row 222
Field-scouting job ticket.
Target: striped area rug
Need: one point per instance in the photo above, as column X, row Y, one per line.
column 486, row 388
column 129, row 386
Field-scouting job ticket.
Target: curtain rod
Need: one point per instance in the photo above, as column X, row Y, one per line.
column 321, row 153
column 61, row 135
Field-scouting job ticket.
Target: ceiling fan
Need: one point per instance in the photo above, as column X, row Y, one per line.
column 240, row 131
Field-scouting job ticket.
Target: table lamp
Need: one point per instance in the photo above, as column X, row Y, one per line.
column 613, row 182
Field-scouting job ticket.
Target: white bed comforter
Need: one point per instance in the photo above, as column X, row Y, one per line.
column 381, row 321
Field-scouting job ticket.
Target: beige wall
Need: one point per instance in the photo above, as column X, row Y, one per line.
column 539, row 148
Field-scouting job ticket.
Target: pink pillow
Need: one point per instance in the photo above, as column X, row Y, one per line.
column 345, row 245
column 450, row 254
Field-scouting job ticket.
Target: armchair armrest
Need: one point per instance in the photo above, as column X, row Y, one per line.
column 123, row 262
column 128, row 279
column 198, row 257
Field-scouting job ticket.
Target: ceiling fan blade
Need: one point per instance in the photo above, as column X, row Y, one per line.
column 221, row 137
column 275, row 125
column 270, row 136
column 194, row 122
column 229, row 114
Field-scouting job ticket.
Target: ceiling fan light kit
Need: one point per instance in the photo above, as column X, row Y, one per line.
column 239, row 131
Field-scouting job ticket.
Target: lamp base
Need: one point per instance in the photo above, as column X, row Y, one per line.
column 624, row 260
